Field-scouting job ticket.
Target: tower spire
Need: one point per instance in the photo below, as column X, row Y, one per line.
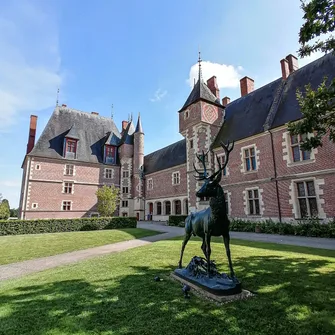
column 199, row 61
column 57, row 97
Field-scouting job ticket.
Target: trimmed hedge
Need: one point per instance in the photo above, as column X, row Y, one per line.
column 177, row 220
column 310, row 228
column 17, row 227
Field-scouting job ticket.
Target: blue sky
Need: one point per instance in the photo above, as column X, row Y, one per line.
column 140, row 56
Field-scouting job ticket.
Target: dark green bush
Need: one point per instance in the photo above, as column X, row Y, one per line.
column 17, row 227
column 177, row 220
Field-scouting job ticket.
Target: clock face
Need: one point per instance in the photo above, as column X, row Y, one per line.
column 209, row 114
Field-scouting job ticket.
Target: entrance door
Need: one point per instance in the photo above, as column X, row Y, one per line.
column 138, row 216
column 151, row 210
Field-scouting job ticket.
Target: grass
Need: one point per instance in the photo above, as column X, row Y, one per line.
column 23, row 247
column 116, row 294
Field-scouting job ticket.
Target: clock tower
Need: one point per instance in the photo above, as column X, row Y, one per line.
column 199, row 121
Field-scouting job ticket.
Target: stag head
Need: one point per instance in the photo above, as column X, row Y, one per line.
column 209, row 188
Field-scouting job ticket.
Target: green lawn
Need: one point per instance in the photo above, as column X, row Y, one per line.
column 116, row 294
column 23, row 247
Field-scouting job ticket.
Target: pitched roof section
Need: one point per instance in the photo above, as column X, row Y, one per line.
column 128, row 134
column 139, row 128
column 201, row 91
column 92, row 132
column 246, row 116
column 251, row 114
column 313, row 73
column 73, row 133
column 172, row 155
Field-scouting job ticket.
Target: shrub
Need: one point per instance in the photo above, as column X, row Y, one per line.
column 17, row 227
column 177, row 220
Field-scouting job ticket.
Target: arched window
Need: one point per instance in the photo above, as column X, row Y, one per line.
column 167, row 208
column 177, row 207
column 159, row 208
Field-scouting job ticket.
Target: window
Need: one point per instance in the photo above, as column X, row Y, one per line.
column 71, row 146
column 159, row 208
column 191, row 144
column 167, row 208
column 67, row 187
column 125, row 174
column 124, row 203
column 108, row 173
column 110, row 154
column 226, row 202
column 298, row 154
column 177, row 208
column 34, row 205
column 150, row 184
column 69, row 169
column 175, row 178
column 307, row 199
column 222, row 162
column 38, row 167
column 250, row 159
column 253, row 200
column 187, row 113
column 125, row 190
column 66, row 205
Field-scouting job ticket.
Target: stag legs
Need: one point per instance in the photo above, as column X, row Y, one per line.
column 208, row 252
column 226, row 240
column 186, row 239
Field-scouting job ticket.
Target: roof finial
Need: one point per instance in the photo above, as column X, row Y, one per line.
column 131, row 116
column 199, row 61
column 57, row 97
column 112, row 112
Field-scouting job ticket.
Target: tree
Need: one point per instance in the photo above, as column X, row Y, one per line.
column 4, row 209
column 317, row 106
column 14, row 212
column 108, row 197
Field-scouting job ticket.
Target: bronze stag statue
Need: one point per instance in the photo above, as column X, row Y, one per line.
column 212, row 221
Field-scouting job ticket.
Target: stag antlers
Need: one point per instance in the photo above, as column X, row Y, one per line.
column 203, row 176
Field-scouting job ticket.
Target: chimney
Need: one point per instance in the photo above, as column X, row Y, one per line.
column 63, row 105
column 292, row 63
column 32, row 133
column 95, row 113
column 247, row 86
column 225, row 101
column 124, row 125
column 285, row 68
column 213, row 86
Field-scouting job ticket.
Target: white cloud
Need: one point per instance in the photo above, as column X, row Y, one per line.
column 227, row 76
column 29, row 61
column 159, row 95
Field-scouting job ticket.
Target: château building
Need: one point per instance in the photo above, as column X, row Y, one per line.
column 268, row 175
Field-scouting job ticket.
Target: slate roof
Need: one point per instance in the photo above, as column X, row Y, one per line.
column 272, row 105
column 92, row 132
column 201, row 91
column 172, row 155
column 139, row 128
column 128, row 134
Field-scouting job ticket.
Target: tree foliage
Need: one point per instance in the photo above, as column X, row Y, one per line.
column 108, row 198
column 317, row 106
column 4, row 209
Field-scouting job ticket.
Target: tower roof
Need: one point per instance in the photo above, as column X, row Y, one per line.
column 139, row 128
column 201, row 91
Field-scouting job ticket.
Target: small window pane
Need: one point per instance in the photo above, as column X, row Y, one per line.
column 251, row 207
column 250, row 194
column 301, row 189
column 252, row 151
column 296, row 154
column 294, row 139
column 310, row 188
column 256, row 194
column 306, row 155
column 248, row 164
column 303, row 208
column 313, row 206
column 253, row 161
column 246, row 153
column 257, row 206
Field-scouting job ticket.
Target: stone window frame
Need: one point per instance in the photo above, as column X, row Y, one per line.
column 64, row 187
column 156, row 208
column 73, row 170
column 175, row 178
column 150, row 184
column 288, row 154
column 34, row 205
column 293, row 193
column 124, row 203
column 62, row 206
column 226, row 169
column 125, row 174
column 106, row 176
column 228, row 200
column 257, row 159
column 38, row 167
column 125, row 190
column 246, row 201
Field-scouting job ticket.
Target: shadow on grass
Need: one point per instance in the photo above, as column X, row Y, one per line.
column 295, row 296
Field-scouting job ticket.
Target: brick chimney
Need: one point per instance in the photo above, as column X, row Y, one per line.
column 285, row 71
column 95, row 113
column 247, row 85
column 124, row 125
column 225, row 101
column 32, row 133
column 63, row 105
column 213, row 86
column 292, row 63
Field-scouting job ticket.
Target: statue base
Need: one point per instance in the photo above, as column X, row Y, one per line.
column 218, row 284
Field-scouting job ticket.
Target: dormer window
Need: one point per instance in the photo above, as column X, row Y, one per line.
column 110, row 154
column 70, row 148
